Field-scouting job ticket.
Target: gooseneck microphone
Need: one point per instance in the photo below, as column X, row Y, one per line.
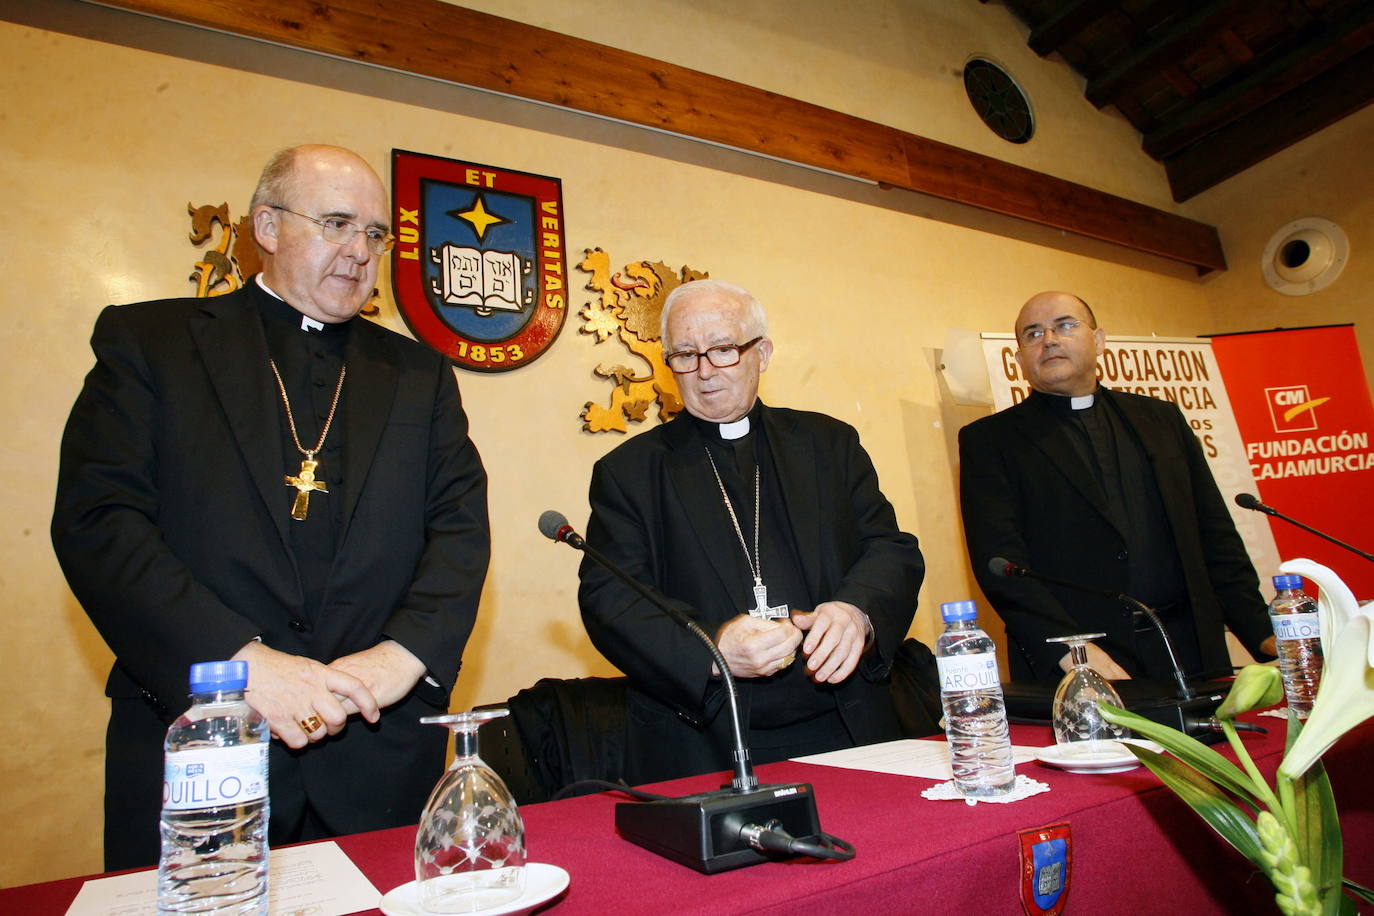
column 554, row 526
column 1001, row 566
column 1251, row 502
column 741, row 824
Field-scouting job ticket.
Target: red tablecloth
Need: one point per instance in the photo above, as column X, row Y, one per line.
column 1136, row 848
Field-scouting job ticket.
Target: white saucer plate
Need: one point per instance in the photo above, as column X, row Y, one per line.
column 542, row 883
column 1094, row 757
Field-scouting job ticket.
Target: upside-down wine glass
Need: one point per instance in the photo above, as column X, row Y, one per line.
column 470, row 846
column 1076, row 717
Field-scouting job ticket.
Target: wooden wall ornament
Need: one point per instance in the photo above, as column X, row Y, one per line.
column 627, row 307
column 478, row 265
column 224, row 266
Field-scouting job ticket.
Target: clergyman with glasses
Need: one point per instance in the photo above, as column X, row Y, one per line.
column 1107, row 489
column 767, row 526
column 266, row 476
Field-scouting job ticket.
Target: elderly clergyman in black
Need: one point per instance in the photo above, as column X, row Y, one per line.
column 266, row 476
column 1110, row 490
column 765, row 525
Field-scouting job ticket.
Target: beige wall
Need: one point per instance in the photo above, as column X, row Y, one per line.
column 1330, row 175
column 111, row 123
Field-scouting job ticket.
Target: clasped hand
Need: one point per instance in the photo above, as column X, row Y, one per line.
column 289, row 690
column 832, row 638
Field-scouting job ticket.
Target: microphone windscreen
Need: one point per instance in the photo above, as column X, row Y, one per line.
column 1000, row 566
column 551, row 522
column 1247, row 501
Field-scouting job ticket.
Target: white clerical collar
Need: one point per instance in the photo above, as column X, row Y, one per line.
column 1082, row 403
column 736, row 430
column 307, row 323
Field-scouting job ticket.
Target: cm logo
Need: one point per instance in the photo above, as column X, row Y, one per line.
column 1292, row 409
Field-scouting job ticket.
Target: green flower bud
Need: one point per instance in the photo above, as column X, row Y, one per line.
column 1296, row 894
column 1256, row 687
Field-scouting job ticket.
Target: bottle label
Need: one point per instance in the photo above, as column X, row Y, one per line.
column 1297, row 626
column 213, row 777
column 968, row 672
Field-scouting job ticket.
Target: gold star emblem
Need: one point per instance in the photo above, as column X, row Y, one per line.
column 480, row 218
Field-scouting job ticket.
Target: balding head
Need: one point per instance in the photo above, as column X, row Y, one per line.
column 1059, row 342
column 301, row 188
column 706, row 314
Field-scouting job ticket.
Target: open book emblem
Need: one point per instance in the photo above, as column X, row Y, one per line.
column 484, row 281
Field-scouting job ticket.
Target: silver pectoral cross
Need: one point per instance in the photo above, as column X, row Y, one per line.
column 761, row 609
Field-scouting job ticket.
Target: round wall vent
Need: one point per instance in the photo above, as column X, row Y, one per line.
column 1305, row 256
column 998, row 100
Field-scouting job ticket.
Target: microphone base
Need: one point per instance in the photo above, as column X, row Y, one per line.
column 1032, row 702
column 702, row 831
column 1187, row 716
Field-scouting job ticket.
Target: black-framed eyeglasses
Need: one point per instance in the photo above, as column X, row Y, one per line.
column 339, row 231
column 1063, row 328
column 722, row 357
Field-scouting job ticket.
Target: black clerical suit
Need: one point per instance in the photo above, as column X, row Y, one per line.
column 1033, row 491
column 658, row 513
column 173, row 526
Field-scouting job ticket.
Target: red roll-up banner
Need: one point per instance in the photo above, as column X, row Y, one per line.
column 1303, row 407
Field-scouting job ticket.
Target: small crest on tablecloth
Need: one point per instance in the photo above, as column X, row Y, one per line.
column 1046, row 862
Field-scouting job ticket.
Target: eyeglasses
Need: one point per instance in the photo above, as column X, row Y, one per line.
column 1063, row 328
column 338, row 231
column 722, row 357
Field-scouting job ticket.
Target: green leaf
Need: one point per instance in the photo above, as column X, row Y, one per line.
column 1211, row 804
column 1188, row 749
column 1358, row 891
column 1319, row 832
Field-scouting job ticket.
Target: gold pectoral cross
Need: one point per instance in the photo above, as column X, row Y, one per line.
column 304, row 483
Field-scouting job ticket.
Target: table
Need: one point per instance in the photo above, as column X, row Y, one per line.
column 1136, row 848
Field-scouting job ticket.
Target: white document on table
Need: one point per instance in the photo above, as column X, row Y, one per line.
column 317, row 879
column 904, row 757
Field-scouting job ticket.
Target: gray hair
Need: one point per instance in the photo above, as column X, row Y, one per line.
column 754, row 319
column 277, row 182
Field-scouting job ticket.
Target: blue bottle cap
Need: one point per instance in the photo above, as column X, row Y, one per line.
column 958, row 610
column 1289, row 581
column 207, row 677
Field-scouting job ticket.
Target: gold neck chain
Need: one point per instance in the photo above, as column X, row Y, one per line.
column 305, row 482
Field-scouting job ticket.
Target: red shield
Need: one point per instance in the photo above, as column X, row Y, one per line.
column 478, row 267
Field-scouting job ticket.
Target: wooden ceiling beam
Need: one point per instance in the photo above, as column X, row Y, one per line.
column 1338, row 92
column 441, row 41
column 1327, row 46
column 1176, row 43
column 1067, row 21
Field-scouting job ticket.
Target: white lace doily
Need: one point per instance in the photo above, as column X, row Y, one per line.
column 1025, row 787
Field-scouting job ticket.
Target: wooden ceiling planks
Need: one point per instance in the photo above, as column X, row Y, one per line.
column 1213, row 86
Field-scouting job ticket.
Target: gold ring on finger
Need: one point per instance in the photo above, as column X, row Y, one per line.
column 311, row 724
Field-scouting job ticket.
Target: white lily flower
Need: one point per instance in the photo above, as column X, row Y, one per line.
column 1335, row 602
column 1346, row 696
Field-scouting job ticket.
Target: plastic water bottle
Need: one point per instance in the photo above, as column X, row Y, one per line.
column 214, row 800
column 1297, row 630
column 975, row 713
